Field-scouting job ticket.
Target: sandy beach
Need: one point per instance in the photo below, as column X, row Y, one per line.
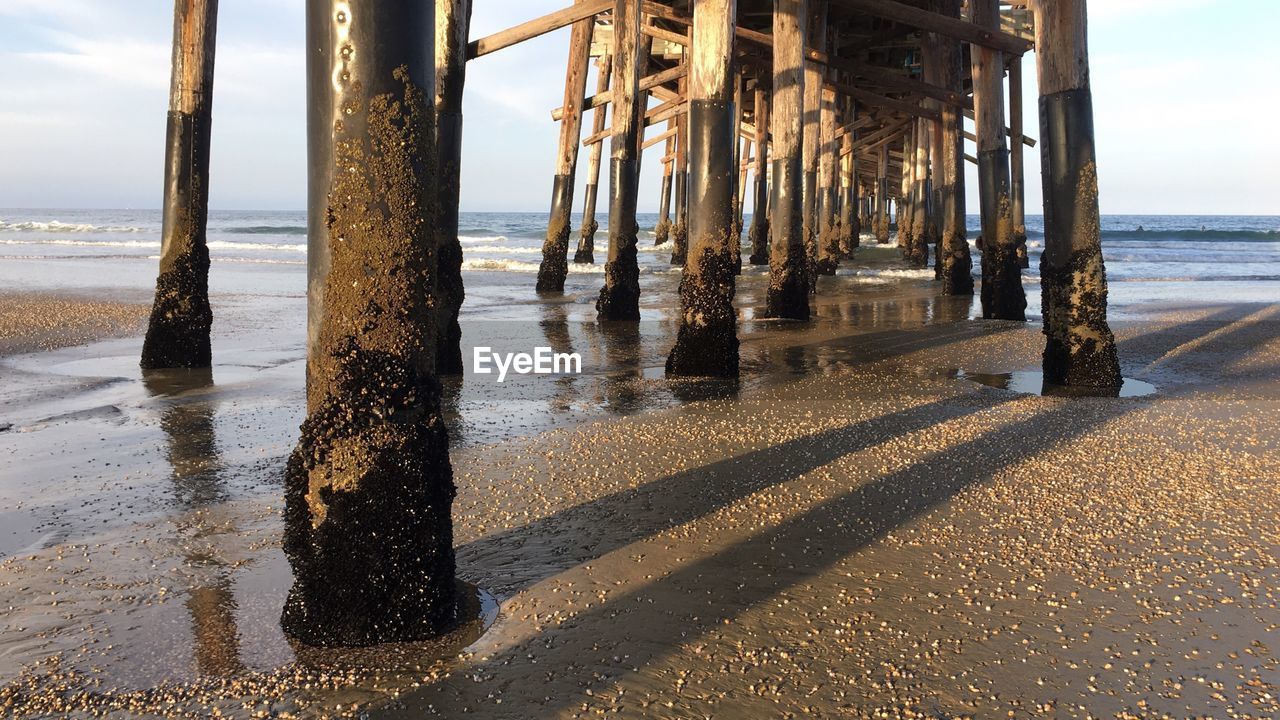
column 855, row 530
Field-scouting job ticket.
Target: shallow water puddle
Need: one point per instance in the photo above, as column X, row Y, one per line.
column 1031, row 382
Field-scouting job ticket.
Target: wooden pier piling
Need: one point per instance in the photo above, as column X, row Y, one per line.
column 955, row 262
column 758, row 237
column 453, row 20
column 1080, row 348
column 811, row 148
column 620, row 297
column 555, row 249
column 918, row 250
column 680, row 186
column 585, row 253
column 1002, row 295
column 1017, row 163
column 707, row 343
column 788, row 293
column 828, row 179
column 178, row 331
column 369, row 489
column 882, row 196
column 662, row 232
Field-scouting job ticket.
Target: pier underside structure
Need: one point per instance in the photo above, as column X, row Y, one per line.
column 825, row 112
column 842, row 109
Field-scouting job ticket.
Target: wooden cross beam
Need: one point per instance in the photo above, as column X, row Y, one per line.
column 648, row 83
column 657, row 139
column 881, row 76
column 1026, row 139
column 883, row 134
column 536, row 27
column 858, row 124
column 866, row 97
column 660, row 114
column 941, row 24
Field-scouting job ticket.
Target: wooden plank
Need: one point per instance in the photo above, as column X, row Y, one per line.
column 648, row 83
column 654, row 116
column 536, row 27
column 882, row 76
column 933, row 22
column 660, row 138
column 868, row 98
column 859, row 124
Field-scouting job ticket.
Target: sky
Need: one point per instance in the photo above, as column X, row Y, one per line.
column 1183, row 94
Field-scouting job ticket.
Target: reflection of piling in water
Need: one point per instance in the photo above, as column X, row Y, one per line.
column 555, row 328
column 178, row 333
column 213, row 624
column 196, row 474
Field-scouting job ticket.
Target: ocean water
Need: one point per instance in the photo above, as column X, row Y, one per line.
column 1138, row 248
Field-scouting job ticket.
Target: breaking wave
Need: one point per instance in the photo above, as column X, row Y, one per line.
column 54, row 226
column 264, row 230
column 500, row 265
column 1193, row 235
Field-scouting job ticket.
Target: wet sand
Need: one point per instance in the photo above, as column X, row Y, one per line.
column 32, row 321
column 854, row 531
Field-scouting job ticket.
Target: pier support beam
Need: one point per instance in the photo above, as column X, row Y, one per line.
column 586, row 252
column 679, row 226
column 828, row 179
column 906, row 194
column 707, row 344
column 1002, row 295
column 759, row 234
column 850, row 222
column 620, row 297
column 812, row 144
column 555, row 249
column 788, row 293
column 453, row 19
column 738, row 176
column 881, row 220
column 918, row 250
column 662, row 233
column 1080, row 348
column 369, row 489
column 178, row 332
column 955, row 262
column 1017, row 164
